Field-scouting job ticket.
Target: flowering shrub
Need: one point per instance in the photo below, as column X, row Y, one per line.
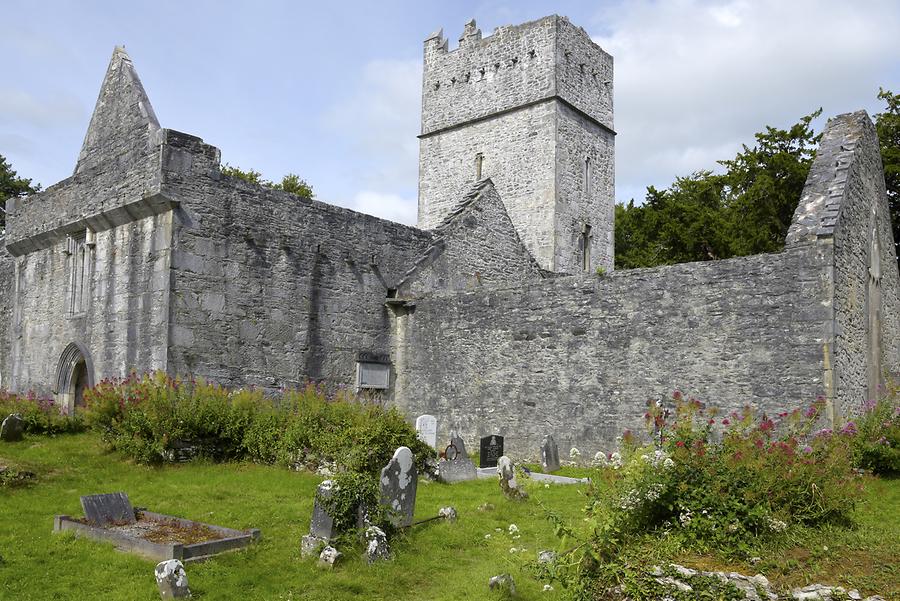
column 877, row 433
column 155, row 418
column 40, row 416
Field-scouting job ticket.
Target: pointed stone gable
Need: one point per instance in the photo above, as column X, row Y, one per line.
column 123, row 125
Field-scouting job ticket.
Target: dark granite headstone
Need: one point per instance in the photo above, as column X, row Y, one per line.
column 491, row 450
column 549, row 454
column 12, row 427
column 398, row 487
column 111, row 507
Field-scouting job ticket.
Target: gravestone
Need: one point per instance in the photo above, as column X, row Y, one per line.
column 376, row 545
column 172, row 580
column 12, row 427
column 549, row 454
column 426, row 427
column 108, row 508
column 398, row 487
column 491, row 450
column 457, row 466
column 322, row 525
column 507, row 475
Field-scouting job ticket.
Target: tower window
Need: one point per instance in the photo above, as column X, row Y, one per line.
column 479, row 160
column 587, row 177
column 586, row 247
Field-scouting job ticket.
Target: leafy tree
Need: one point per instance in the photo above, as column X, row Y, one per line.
column 706, row 216
column 291, row 182
column 12, row 185
column 888, row 126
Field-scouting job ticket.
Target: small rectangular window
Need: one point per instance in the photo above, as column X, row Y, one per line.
column 479, row 161
column 587, row 176
column 586, row 247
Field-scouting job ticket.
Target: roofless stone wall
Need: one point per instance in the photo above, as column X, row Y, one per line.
column 272, row 289
column 6, row 297
column 579, row 357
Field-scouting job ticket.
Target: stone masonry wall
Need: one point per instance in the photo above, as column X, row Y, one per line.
column 518, row 155
column 843, row 201
column 579, row 356
column 6, row 299
column 579, row 138
column 482, row 77
column 584, row 73
column 476, row 246
column 271, row 289
column 125, row 323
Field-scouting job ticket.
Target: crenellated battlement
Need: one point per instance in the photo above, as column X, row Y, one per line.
column 515, row 66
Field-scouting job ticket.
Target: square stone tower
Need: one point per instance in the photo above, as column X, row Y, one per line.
column 531, row 107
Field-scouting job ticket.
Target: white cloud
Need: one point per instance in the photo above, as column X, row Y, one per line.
column 694, row 80
column 380, row 120
column 386, row 206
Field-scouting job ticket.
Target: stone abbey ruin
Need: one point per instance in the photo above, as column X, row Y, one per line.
column 491, row 315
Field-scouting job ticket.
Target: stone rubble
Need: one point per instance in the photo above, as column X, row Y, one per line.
column 503, row 583
column 329, row 556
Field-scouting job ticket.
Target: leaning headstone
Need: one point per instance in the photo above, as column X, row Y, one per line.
column 491, row 450
column 376, row 545
column 11, row 428
column 458, row 445
column 172, row 580
column 398, row 487
column 426, row 427
column 549, row 454
column 507, row 476
column 321, row 526
column 108, row 508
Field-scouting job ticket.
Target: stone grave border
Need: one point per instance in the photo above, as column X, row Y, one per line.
column 233, row 539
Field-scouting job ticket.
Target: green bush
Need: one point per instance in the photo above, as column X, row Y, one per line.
column 877, row 442
column 41, row 416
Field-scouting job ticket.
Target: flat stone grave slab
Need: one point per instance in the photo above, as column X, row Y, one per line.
column 491, row 472
column 158, row 536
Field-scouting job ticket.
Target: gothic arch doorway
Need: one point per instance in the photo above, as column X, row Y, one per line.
column 74, row 373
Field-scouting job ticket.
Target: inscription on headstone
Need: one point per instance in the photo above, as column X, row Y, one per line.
column 107, row 508
column 491, row 450
column 549, row 454
column 426, row 426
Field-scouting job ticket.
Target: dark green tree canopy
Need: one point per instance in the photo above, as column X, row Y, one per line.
column 12, row 185
column 748, row 208
column 291, row 182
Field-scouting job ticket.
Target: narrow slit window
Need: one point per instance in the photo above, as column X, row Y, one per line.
column 479, row 160
column 587, row 176
column 79, row 247
column 586, row 247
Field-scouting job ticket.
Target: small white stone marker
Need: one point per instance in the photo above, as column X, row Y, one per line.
column 172, row 580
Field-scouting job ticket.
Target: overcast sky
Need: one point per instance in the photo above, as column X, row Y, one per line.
column 332, row 91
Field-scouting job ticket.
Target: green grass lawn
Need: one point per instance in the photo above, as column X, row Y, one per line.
column 437, row 560
column 434, row 561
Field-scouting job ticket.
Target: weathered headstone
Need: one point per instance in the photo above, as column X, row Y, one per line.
column 12, row 427
column 426, row 427
column 491, row 450
column 172, row 580
column 457, row 443
column 329, row 556
column 321, row 525
column 376, row 545
column 457, row 466
column 549, row 454
column 504, row 584
column 108, row 508
column 398, row 487
column 507, row 475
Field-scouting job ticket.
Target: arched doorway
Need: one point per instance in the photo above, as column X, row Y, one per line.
column 74, row 373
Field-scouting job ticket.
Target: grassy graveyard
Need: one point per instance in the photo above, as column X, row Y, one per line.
column 740, row 492
column 436, row 560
